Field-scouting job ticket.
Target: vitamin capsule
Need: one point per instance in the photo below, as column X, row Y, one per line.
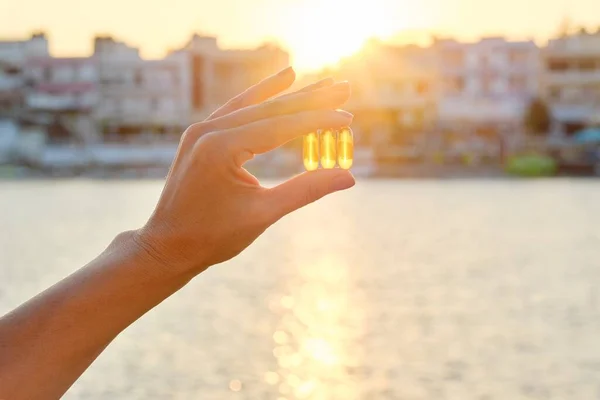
column 310, row 151
column 328, row 148
column 345, row 148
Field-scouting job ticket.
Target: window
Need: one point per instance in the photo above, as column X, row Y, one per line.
column 46, row 74
column 486, row 84
column 587, row 64
column 63, row 73
column 518, row 56
column 558, row 65
column 518, row 83
column 422, row 88
column 455, row 85
column 154, row 105
column 138, row 78
column 459, row 84
column 198, row 87
column 572, row 93
column 554, row 93
column 419, row 117
column 484, row 62
column 454, row 58
column 87, row 73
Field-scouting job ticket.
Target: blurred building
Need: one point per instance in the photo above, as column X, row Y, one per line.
column 139, row 96
column 17, row 52
column 486, row 87
column 14, row 55
column 61, row 95
column 393, row 94
column 217, row 75
column 12, row 82
column 571, row 80
column 486, row 84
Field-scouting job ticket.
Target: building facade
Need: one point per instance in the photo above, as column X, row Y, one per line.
column 487, row 83
column 571, row 81
column 62, row 95
column 17, row 52
column 12, row 82
column 139, row 96
column 393, row 94
column 485, row 89
column 14, row 55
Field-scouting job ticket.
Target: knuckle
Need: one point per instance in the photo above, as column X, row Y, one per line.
column 239, row 101
column 313, row 193
column 199, row 128
column 193, row 133
column 211, row 146
column 210, row 141
column 274, row 107
column 291, row 103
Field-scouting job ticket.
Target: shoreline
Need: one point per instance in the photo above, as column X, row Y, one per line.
column 371, row 172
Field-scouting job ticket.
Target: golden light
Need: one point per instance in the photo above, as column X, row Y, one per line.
column 321, row 350
column 235, row 385
column 320, row 32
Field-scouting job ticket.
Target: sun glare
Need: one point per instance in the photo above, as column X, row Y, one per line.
column 320, row 32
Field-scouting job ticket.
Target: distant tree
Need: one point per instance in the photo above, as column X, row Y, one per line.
column 537, row 118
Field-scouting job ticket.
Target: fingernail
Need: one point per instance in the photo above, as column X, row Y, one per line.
column 341, row 86
column 324, row 82
column 342, row 182
column 345, row 114
column 285, row 71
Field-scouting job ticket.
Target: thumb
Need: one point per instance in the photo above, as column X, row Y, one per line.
column 307, row 188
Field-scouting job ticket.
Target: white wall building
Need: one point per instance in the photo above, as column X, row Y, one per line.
column 63, row 92
column 62, row 84
column 12, row 81
column 17, row 52
column 571, row 80
column 140, row 95
column 489, row 82
column 14, row 54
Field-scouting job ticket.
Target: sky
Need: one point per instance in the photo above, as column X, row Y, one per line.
column 316, row 32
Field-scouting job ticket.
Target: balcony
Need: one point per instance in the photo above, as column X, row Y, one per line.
column 10, row 83
column 61, row 102
column 572, row 77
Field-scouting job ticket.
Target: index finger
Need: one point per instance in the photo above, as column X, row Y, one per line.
column 258, row 93
column 267, row 134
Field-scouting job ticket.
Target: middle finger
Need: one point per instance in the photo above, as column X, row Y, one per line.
column 327, row 98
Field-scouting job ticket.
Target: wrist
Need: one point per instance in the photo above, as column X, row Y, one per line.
column 136, row 247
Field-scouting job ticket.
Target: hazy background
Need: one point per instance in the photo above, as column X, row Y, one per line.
column 461, row 282
column 465, row 289
column 314, row 31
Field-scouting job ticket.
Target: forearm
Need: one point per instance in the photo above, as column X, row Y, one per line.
column 48, row 342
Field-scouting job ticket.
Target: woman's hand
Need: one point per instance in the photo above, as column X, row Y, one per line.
column 211, row 208
column 209, row 211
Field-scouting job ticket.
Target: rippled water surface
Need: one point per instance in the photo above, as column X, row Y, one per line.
column 393, row 290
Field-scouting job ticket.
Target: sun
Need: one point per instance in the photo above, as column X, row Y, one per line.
column 320, row 32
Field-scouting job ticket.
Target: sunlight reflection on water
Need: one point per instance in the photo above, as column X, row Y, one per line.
column 394, row 290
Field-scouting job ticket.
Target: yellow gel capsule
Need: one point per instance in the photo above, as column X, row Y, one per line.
column 310, row 151
column 345, row 148
column 328, row 148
